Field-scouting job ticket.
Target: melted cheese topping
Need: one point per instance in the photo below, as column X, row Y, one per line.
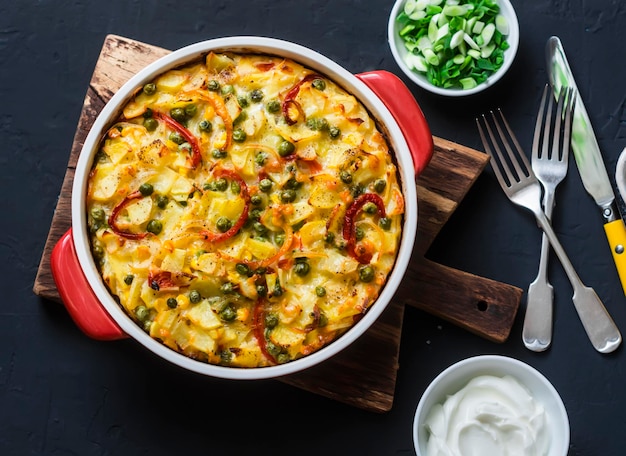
column 227, row 214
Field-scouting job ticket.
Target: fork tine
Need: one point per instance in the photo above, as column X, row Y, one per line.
column 494, row 160
column 556, row 149
column 512, row 156
column 537, row 135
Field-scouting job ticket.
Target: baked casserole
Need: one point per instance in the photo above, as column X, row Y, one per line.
column 244, row 210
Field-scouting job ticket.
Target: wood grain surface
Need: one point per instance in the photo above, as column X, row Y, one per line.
column 364, row 375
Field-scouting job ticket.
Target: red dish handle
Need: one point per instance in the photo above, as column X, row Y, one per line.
column 400, row 101
column 77, row 295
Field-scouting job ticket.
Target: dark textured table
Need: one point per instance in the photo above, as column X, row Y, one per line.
column 64, row 394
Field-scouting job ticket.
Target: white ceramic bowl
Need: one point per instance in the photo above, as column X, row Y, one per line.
column 458, row 375
column 399, row 52
column 79, row 282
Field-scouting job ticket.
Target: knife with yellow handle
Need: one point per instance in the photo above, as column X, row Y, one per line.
column 588, row 157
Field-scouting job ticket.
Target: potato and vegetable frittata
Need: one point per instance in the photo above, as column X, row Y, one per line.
column 244, row 210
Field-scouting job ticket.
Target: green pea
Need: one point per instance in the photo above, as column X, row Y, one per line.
column 213, row 85
column 176, row 137
column 370, row 208
column 320, row 291
column 273, row 106
column 242, row 269
column 265, row 185
column 235, row 187
column 148, row 113
column 323, row 320
column 359, row 233
column 385, row 223
column 150, row 88
column 243, row 115
column 98, row 251
column 194, row 296
column 146, row 189
column 239, row 135
column 226, row 356
column 379, row 185
column 228, row 313
column 227, row 89
column 191, row 110
column 322, row 124
column 279, row 239
column 366, row 273
column 205, row 126
column 293, row 184
column 223, row 224
column 172, row 303
column 97, row 213
column 319, row 84
column 142, row 313
column 242, row 101
column 273, row 349
column 255, row 214
column 260, row 228
column 330, row 237
column 256, row 200
column 317, row 124
column 227, row 288
column 221, row 184
column 261, row 290
column 334, row 132
column 283, row 358
column 178, row 114
column 346, row 177
column 256, row 95
column 217, row 153
column 277, row 291
column 357, row 190
column 271, row 320
column 161, row 201
column 150, row 124
column 301, row 268
column 287, row 196
column 286, row 148
column 260, row 158
column 129, row 279
column 154, row 227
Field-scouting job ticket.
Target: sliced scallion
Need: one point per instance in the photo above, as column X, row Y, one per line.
column 456, row 43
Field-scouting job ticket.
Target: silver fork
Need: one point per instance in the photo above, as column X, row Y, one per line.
column 550, row 167
column 521, row 186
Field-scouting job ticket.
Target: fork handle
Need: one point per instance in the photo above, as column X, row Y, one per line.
column 601, row 330
column 537, row 329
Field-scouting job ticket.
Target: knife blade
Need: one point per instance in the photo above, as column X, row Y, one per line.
column 588, row 157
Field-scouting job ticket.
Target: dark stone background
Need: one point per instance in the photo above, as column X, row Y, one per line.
column 64, row 394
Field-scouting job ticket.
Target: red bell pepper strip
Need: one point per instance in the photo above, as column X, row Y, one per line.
column 290, row 97
column 168, row 281
column 259, row 329
column 349, row 225
column 243, row 192
column 196, row 155
column 117, row 209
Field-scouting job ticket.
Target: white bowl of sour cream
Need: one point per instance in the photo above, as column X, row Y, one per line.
column 491, row 405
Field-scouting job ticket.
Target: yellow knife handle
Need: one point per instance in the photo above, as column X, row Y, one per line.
column 616, row 234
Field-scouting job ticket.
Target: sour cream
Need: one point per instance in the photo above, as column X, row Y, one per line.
column 490, row 416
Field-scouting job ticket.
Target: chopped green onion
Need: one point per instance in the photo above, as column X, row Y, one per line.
column 454, row 44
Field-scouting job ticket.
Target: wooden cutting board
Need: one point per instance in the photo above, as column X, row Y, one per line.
column 363, row 375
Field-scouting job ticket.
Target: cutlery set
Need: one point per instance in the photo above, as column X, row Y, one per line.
column 522, row 182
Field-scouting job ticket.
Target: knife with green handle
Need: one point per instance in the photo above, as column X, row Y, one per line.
column 588, row 157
